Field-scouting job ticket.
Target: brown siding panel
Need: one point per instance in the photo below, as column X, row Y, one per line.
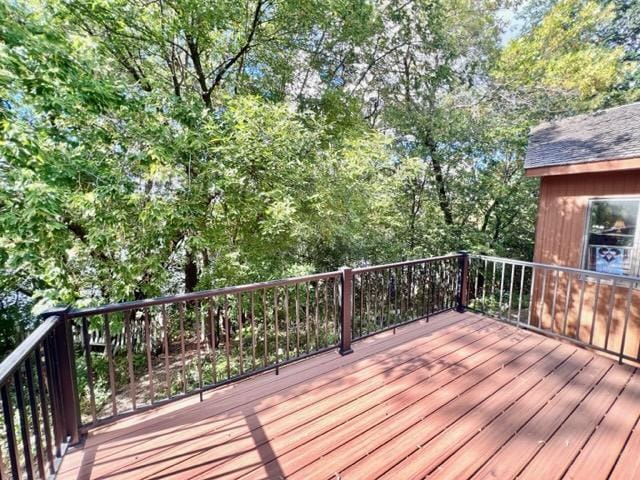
column 560, row 232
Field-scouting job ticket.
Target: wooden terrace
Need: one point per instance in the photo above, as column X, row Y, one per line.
column 459, row 396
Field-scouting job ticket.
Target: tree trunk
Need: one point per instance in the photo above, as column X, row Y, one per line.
column 443, row 199
column 190, row 273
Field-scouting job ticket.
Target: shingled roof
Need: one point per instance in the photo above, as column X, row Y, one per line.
column 604, row 135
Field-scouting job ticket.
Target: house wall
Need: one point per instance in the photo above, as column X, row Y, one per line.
column 560, row 232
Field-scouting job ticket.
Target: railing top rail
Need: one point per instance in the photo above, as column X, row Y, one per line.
column 591, row 273
column 188, row 297
column 403, row 264
column 13, row 361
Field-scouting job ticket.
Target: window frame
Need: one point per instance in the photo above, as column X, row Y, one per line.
column 634, row 268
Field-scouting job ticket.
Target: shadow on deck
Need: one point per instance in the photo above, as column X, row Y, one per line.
column 459, row 397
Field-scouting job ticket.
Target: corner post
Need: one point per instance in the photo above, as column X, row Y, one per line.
column 65, row 364
column 463, row 281
column 346, row 311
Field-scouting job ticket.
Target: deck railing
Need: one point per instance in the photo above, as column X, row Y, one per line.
column 182, row 345
column 84, row 367
column 387, row 296
column 39, row 401
column 596, row 310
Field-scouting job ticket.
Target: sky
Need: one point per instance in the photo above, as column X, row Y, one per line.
column 513, row 24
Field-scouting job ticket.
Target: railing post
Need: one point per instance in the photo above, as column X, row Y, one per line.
column 65, row 365
column 463, row 281
column 346, row 311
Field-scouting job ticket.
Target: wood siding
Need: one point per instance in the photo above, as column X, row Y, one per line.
column 560, row 234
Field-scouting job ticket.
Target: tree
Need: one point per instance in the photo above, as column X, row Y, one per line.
column 569, row 60
column 120, row 183
column 156, row 147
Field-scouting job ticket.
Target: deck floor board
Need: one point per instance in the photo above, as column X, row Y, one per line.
column 462, row 395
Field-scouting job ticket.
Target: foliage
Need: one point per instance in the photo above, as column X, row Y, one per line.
column 577, row 55
column 153, row 147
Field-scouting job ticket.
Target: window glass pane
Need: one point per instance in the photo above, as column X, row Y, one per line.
column 611, row 235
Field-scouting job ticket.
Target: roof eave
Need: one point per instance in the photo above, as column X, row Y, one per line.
column 595, row 166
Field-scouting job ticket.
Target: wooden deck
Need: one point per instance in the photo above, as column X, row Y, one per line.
column 459, row 397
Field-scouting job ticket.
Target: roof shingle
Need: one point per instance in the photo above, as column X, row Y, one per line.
column 604, row 135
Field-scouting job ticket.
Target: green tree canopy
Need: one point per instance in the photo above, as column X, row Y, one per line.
column 156, row 147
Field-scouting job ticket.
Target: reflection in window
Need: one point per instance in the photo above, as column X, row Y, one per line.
column 612, row 243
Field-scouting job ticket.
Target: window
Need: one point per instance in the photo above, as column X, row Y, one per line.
column 612, row 238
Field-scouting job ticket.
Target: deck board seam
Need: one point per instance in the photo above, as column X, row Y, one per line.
column 429, row 394
column 511, row 405
column 490, row 323
column 576, row 406
column 491, row 420
column 194, row 407
column 595, row 428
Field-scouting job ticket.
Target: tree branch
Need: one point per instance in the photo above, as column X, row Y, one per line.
column 224, row 68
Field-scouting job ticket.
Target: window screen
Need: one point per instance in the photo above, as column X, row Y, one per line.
column 612, row 236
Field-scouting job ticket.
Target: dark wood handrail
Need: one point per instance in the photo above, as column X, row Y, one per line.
column 17, row 357
column 418, row 261
column 189, row 297
column 38, row 389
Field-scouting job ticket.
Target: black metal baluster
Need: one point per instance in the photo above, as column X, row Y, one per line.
column 54, row 392
column 276, row 326
column 214, row 360
column 253, row 332
column 264, row 324
column 44, row 411
column 3, row 469
column 326, row 313
column 198, row 327
column 240, row 334
column 376, row 301
column 56, row 396
column 10, row 432
column 363, row 302
column 306, row 317
column 183, row 366
column 316, row 322
column 227, row 339
column 165, row 340
column 297, row 319
column 87, row 359
column 286, row 318
column 129, row 342
column 35, row 421
column 112, row 375
column 147, row 335
column 24, row 423
column 335, row 310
